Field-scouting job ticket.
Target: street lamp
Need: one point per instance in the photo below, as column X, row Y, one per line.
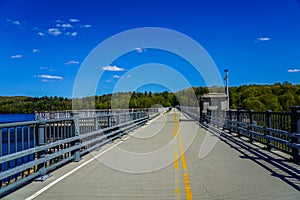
column 227, row 90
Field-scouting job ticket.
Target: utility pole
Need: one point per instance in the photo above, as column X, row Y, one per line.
column 227, row 90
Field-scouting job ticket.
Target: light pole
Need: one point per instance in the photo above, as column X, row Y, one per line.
column 227, row 90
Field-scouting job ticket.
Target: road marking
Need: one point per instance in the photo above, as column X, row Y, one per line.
column 186, row 180
column 69, row 173
column 176, row 164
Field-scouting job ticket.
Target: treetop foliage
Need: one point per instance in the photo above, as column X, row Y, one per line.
column 276, row 97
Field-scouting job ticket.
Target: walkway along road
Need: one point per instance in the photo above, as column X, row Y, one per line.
column 232, row 170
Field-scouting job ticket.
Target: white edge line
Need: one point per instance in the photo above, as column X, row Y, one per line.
column 74, row 170
column 68, row 174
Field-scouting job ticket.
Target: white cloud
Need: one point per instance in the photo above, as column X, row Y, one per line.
column 17, row 56
column 72, row 62
column 58, row 25
column 66, row 26
column 41, row 34
column 293, row 70
column 116, row 76
column 112, row 68
column 44, row 76
column 74, row 20
column 54, row 31
column 59, row 21
column 35, row 50
column 262, row 39
column 140, row 50
column 74, row 34
column 16, row 22
column 87, row 26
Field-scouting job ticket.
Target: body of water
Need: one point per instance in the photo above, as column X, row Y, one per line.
column 9, row 118
column 9, row 135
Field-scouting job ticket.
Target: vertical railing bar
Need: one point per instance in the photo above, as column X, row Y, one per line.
column 16, row 139
column 54, row 132
column 1, row 154
column 23, row 147
column 22, row 129
column 8, row 141
column 1, row 142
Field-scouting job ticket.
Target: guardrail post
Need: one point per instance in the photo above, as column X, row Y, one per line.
column 117, row 119
column 250, row 122
column 96, row 124
column 109, row 120
column 230, row 121
column 76, row 153
column 41, row 140
column 208, row 115
column 295, row 125
column 269, row 125
column 239, row 118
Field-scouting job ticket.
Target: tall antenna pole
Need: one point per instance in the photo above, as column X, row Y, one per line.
column 227, row 90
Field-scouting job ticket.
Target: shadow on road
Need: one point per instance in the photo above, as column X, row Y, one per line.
column 278, row 165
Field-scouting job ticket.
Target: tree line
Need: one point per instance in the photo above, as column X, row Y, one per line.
column 276, row 97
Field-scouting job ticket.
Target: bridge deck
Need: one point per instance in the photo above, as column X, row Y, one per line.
column 229, row 171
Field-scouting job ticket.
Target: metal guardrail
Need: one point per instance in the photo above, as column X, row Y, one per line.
column 30, row 150
column 278, row 130
column 46, row 115
column 192, row 112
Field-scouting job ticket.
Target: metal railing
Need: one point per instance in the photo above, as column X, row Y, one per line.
column 30, row 150
column 278, row 130
column 46, row 115
column 192, row 112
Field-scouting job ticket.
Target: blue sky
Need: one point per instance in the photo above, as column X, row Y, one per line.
column 44, row 42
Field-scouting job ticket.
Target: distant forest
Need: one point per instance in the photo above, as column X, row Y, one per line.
column 276, row 97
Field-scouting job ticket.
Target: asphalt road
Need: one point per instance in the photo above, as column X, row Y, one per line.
column 161, row 161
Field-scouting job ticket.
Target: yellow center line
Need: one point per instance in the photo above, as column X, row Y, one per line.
column 186, row 180
column 176, row 164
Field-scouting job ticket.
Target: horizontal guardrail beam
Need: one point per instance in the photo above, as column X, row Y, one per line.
column 47, row 144
column 262, row 127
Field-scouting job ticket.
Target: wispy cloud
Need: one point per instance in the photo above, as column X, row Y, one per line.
column 41, row 34
column 16, row 56
column 140, row 50
column 74, row 20
column 262, row 39
column 54, row 31
column 74, row 34
column 72, row 62
column 116, row 76
column 112, row 68
column 293, row 70
column 87, row 26
column 16, row 23
column 49, row 77
column 70, row 28
column 35, row 50
column 49, row 69
column 65, row 25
